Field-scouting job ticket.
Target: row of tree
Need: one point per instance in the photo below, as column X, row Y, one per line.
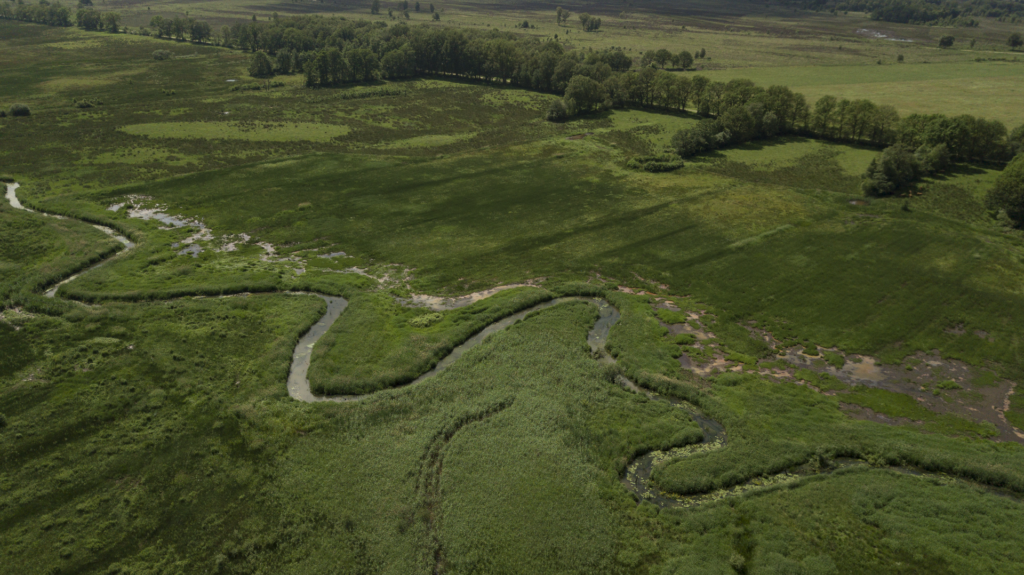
column 54, row 14
column 330, row 51
column 744, row 112
column 178, row 28
column 403, row 51
column 403, row 5
column 962, row 12
column 94, row 20
column 663, row 58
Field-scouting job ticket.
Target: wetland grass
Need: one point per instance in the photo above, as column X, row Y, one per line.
column 150, row 431
column 378, row 343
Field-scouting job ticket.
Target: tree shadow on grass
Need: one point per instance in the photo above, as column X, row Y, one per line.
column 957, row 170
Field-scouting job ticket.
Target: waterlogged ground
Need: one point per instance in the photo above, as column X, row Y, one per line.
column 742, row 396
column 920, row 387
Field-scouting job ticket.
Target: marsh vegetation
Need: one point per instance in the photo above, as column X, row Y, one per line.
column 855, row 358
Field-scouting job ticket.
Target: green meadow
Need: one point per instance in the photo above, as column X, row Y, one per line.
column 921, row 88
column 146, row 425
column 299, row 131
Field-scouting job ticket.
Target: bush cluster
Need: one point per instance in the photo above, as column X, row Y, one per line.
column 1007, row 196
column 897, row 166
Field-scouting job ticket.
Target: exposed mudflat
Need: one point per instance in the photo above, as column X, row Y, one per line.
column 443, row 303
column 944, row 386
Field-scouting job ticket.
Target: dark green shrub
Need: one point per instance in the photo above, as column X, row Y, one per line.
column 891, row 170
column 557, row 112
column 1008, row 192
column 162, row 55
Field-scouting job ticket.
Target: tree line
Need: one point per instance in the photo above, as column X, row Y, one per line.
column 311, row 46
column 56, row 14
column 331, row 51
column 44, row 12
column 744, row 112
column 959, row 13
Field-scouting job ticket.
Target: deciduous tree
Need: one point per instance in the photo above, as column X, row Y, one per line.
column 589, row 23
column 685, row 60
column 260, row 66
column 584, row 95
column 1008, row 192
column 562, row 16
column 662, row 57
column 894, row 168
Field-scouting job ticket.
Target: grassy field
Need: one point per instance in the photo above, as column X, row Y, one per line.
column 698, row 231
column 926, row 88
column 147, row 428
column 124, row 441
column 735, row 32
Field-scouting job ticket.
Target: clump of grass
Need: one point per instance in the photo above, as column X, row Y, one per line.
column 425, row 320
column 672, row 317
column 948, row 385
column 685, row 339
column 823, row 381
column 836, row 360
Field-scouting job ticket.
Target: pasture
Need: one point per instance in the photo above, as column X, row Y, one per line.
column 924, row 88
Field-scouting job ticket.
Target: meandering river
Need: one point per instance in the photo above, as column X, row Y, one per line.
column 637, row 477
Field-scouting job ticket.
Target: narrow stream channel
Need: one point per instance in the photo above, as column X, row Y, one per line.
column 637, row 477
column 298, row 379
column 12, row 197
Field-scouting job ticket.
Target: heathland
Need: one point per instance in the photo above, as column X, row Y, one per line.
column 859, row 353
